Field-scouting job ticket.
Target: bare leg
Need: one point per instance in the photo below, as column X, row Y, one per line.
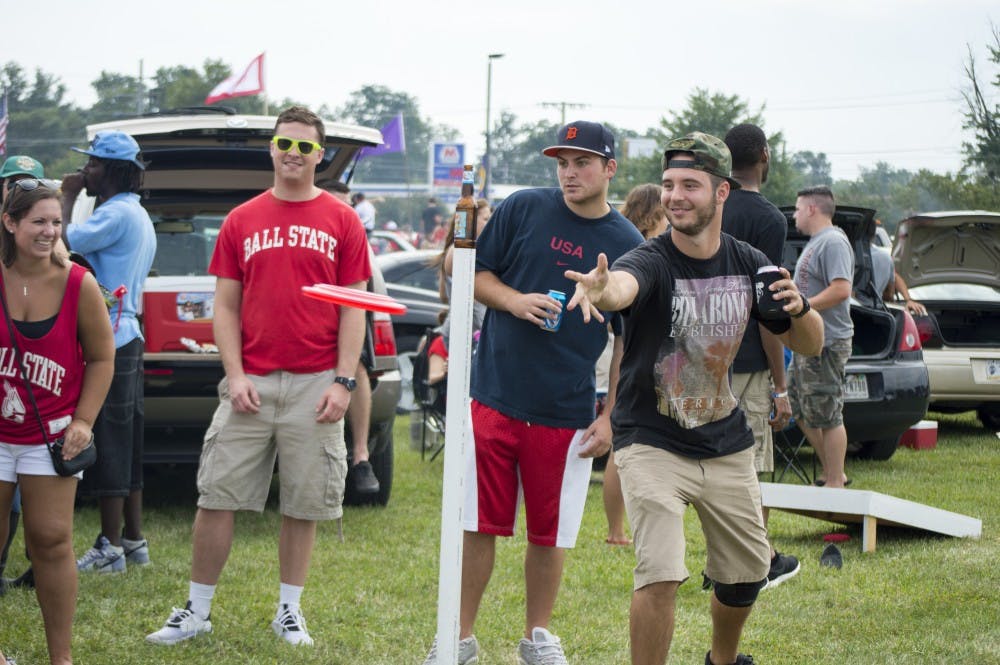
column 133, row 515
column 359, row 413
column 765, row 513
column 727, row 626
column 295, row 546
column 543, row 568
column 651, row 623
column 814, row 436
column 614, row 504
column 112, row 508
column 835, row 450
column 478, row 556
column 211, row 542
column 48, row 530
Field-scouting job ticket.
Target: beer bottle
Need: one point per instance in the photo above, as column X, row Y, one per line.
column 465, row 212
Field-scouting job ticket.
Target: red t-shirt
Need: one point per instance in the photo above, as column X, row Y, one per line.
column 54, row 365
column 276, row 247
column 437, row 348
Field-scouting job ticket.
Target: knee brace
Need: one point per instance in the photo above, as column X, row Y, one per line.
column 743, row 594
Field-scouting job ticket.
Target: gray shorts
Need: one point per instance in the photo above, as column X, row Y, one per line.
column 237, row 460
column 816, row 386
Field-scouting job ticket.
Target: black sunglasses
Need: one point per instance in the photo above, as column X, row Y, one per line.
column 31, row 184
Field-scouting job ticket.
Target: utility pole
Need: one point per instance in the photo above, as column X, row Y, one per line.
column 562, row 106
column 140, row 94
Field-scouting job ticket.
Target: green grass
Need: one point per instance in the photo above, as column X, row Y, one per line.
column 372, row 599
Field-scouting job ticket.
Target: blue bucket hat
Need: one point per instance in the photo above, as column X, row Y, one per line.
column 114, row 145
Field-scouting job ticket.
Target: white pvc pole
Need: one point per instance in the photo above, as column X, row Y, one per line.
column 457, row 447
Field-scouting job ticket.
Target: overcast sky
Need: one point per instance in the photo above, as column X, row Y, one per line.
column 861, row 80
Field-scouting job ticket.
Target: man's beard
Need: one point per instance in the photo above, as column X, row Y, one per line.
column 703, row 217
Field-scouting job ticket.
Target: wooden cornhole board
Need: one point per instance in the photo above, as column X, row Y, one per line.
column 870, row 509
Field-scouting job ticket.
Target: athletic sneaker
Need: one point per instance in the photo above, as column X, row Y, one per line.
column 183, row 624
column 290, row 626
column 544, row 648
column 783, row 567
column 468, row 652
column 363, row 477
column 103, row 557
column 136, row 551
column 740, row 659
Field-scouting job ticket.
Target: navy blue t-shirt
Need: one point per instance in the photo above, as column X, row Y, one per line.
column 681, row 335
column 520, row 369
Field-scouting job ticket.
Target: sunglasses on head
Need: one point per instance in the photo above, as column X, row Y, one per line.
column 30, row 184
column 284, row 144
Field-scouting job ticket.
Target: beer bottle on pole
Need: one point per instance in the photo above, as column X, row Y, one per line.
column 465, row 212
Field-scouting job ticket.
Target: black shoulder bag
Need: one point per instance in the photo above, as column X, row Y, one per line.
column 86, row 457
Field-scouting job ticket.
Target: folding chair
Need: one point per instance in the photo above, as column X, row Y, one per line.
column 788, row 444
column 431, row 397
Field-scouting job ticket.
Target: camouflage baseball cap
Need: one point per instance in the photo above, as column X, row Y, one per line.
column 711, row 155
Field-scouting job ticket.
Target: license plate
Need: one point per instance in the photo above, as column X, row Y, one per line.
column 993, row 370
column 856, row 387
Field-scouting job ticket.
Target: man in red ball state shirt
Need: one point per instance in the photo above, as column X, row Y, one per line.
column 289, row 363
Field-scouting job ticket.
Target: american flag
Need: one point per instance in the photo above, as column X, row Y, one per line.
column 4, row 121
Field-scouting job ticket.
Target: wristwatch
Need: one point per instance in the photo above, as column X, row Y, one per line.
column 346, row 381
column 805, row 308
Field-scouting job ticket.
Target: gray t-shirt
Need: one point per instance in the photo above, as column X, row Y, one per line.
column 882, row 268
column 828, row 256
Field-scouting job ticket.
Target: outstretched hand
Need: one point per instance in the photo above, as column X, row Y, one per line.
column 589, row 289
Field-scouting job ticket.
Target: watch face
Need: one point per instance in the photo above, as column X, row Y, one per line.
column 347, row 382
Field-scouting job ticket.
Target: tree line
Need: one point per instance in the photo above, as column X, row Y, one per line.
column 44, row 124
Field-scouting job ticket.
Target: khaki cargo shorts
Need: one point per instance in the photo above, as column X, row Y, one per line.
column 816, row 386
column 753, row 390
column 658, row 486
column 237, row 459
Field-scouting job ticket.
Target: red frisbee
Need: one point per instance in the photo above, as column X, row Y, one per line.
column 339, row 295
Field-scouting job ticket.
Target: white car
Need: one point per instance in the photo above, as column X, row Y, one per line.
column 950, row 262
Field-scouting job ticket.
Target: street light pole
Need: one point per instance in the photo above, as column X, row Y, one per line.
column 489, row 92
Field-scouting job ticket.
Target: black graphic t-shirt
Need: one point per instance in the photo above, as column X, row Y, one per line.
column 681, row 336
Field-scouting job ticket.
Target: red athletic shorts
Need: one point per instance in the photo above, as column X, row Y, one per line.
column 515, row 459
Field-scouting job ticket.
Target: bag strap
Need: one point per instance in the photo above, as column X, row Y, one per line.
column 20, row 362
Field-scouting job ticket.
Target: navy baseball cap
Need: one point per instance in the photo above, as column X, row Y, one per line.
column 113, row 144
column 586, row 136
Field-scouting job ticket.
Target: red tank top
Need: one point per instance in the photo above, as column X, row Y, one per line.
column 54, row 365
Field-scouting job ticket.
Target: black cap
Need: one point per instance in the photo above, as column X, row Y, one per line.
column 586, row 136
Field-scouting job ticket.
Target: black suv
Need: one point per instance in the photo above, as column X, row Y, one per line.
column 201, row 165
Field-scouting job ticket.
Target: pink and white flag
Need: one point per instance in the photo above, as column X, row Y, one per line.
column 241, row 84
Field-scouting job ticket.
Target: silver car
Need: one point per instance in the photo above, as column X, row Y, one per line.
column 951, row 263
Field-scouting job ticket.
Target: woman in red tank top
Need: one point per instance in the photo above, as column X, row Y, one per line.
column 67, row 348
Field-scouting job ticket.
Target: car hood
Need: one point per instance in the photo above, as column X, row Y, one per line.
column 221, row 155
column 949, row 247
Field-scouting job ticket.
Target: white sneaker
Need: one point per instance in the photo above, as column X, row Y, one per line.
column 183, row 624
column 290, row 626
column 468, row 652
column 103, row 557
column 136, row 551
column 544, row 648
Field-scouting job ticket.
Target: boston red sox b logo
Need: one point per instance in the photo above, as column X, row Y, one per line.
column 570, row 133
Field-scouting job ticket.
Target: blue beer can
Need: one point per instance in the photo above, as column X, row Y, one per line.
column 550, row 325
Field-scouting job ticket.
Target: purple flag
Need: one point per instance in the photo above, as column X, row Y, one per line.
column 393, row 139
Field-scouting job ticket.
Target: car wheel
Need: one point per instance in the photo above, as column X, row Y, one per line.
column 989, row 415
column 381, row 459
column 880, row 449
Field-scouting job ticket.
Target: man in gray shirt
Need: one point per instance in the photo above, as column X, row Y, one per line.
column 824, row 274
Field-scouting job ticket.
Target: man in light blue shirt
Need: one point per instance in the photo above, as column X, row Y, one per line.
column 119, row 242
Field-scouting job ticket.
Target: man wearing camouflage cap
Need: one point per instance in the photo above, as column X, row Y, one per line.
column 679, row 436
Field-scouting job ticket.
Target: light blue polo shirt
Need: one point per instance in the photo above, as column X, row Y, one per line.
column 119, row 242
